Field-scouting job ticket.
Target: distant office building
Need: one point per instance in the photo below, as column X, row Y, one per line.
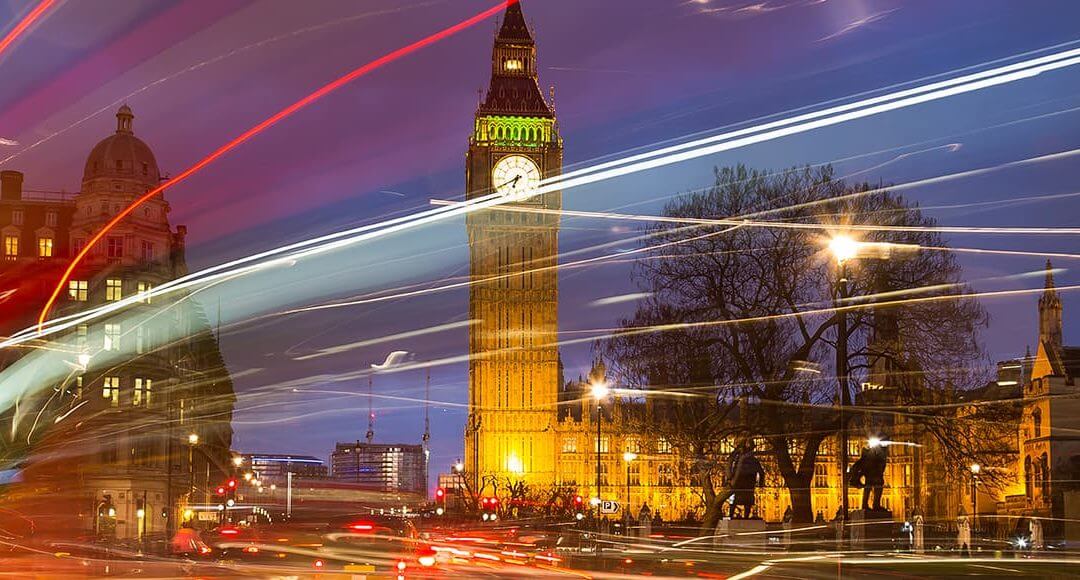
column 387, row 467
column 273, row 468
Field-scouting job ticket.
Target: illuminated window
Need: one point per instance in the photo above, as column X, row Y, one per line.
column 112, row 336
column 77, row 290
column 569, row 445
column 115, row 247
column 513, row 64
column 664, row 475
column 148, row 251
column 821, row 476
column 140, row 339
column 11, row 247
column 1036, row 418
column 78, row 387
column 81, row 332
column 633, row 446
column 110, row 390
column 44, row 247
column 634, row 473
column 142, row 392
column 144, row 292
column 663, row 445
column 114, row 289
column 50, row 219
column 603, row 444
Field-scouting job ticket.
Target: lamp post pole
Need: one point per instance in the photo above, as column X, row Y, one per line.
column 599, row 391
column 975, row 469
column 842, row 386
column 629, row 457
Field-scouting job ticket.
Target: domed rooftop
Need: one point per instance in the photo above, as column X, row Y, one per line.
column 122, row 155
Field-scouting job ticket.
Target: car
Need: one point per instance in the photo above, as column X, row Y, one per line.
column 373, row 544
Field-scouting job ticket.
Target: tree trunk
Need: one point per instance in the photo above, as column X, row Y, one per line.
column 802, row 509
column 714, row 512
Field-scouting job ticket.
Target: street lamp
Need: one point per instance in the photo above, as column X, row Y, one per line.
column 459, row 467
column 599, row 392
column 975, row 470
column 843, row 249
column 193, row 440
column 629, row 458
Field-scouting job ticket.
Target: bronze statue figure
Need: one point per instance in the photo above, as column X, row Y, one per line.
column 744, row 475
column 868, row 473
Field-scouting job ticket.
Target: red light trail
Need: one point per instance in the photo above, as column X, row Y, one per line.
column 267, row 123
column 25, row 23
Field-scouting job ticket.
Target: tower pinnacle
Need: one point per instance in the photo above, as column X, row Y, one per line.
column 1050, row 312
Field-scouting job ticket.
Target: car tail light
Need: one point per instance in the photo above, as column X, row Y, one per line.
column 361, row 527
column 252, row 549
column 427, row 556
column 229, row 532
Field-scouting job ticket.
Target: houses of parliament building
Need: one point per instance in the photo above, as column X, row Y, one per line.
column 527, row 424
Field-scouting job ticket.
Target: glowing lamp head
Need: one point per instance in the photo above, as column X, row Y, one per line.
column 459, row 467
column 237, row 460
column 843, row 248
column 84, row 360
column 874, row 442
column 599, row 391
column 193, row 439
column 976, row 468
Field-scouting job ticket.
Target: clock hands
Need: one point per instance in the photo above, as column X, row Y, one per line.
column 512, row 182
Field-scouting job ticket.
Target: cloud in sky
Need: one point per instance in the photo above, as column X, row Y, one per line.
column 8, row 142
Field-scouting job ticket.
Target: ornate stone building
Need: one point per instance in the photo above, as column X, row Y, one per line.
column 528, row 424
column 122, row 421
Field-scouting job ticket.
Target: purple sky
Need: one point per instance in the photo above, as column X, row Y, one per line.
column 628, row 73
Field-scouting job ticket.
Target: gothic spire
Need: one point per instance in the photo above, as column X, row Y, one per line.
column 1050, row 312
column 514, row 29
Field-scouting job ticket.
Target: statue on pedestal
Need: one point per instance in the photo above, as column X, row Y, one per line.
column 745, row 475
column 868, row 473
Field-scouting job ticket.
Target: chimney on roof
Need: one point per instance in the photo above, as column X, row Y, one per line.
column 11, row 185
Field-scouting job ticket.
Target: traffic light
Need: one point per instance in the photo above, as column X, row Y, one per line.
column 231, row 484
column 220, row 490
column 489, row 509
column 440, row 494
column 579, row 507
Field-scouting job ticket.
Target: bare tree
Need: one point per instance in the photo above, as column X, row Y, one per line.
column 743, row 309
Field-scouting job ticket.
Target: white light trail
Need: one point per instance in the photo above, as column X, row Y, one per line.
column 601, row 172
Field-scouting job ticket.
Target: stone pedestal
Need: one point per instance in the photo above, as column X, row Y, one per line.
column 871, row 529
column 741, row 534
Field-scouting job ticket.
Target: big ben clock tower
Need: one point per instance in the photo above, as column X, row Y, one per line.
column 513, row 362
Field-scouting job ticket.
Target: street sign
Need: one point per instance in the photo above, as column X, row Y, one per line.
column 609, row 506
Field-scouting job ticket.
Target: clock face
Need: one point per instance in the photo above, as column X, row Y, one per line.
column 516, row 175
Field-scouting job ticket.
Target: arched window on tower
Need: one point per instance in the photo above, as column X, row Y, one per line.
column 1036, row 418
column 1044, row 465
column 1029, row 487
